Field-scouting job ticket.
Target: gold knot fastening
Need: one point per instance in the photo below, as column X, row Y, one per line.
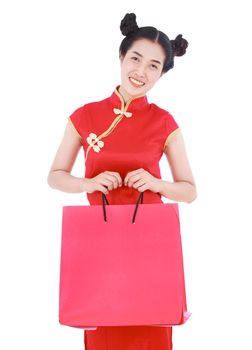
column 119, row 111
column 92, row 140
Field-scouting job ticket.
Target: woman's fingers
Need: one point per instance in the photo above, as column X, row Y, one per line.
column 128, row 181
column 114, row 178
column 102, row 189
column 107, row 181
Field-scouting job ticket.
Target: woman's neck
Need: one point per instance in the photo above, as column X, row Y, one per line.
column 126, row 97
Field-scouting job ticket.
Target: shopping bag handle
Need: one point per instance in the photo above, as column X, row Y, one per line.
column 105, row 201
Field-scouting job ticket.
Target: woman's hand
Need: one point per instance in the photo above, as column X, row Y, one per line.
column 104, row 182
column 142, row 180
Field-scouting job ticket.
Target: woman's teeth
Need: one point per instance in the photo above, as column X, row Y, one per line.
column 139, row 83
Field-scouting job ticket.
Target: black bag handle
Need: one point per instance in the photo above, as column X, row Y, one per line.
column 105, row 201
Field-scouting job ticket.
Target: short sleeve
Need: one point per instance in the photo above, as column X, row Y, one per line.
column 171, row 128
column 76, row 120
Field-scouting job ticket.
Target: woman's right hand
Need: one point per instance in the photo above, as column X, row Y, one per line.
column 104, row 182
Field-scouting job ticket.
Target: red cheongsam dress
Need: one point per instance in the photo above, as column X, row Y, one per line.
column 124, row 137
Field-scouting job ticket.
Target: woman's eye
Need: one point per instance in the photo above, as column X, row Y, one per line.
column 134, row 58
column 154, row 66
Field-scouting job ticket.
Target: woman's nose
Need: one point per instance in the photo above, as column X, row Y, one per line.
column 141, row 70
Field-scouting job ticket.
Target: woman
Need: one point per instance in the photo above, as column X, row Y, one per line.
column 124, row 137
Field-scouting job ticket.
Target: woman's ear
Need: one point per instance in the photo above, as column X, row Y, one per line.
column 121, row 58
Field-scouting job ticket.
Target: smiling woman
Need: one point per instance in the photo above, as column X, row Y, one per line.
column 139, row 68
column 124, row 137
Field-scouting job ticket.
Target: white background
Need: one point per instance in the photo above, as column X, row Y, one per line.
column 58, row 55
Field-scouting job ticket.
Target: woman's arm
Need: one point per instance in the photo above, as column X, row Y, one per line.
column 59, row 176
column 183, row 189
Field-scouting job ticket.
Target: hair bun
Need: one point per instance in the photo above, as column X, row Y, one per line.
column 179, row 45
column 128, row 24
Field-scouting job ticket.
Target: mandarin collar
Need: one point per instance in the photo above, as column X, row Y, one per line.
column 135, row 103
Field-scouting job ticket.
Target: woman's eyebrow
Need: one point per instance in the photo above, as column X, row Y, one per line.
column 137, row 53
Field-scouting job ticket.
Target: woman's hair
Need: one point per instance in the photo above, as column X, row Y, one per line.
column 132, row 32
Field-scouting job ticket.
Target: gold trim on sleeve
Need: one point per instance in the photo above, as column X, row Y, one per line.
column 170, row 136
column 74, row 128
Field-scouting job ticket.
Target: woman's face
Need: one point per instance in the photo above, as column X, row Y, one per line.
column 141, row 67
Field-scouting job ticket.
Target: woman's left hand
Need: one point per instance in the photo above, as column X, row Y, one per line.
column 142, row 180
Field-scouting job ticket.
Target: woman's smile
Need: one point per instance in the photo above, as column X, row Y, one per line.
column 136, row 83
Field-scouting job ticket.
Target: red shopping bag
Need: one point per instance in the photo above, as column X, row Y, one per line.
column 121, row 265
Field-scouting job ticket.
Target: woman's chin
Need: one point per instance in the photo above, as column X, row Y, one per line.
column 134, row 91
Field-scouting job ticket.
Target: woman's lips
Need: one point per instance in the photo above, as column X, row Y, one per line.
column 136, row 83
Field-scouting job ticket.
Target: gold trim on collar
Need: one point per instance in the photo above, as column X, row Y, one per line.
column 124, row 106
